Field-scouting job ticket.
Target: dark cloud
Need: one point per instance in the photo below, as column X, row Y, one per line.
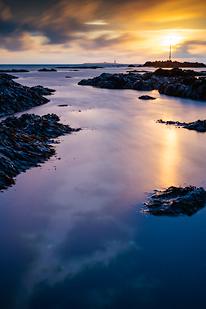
column 62, row 22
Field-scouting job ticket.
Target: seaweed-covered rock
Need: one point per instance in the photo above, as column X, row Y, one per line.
column 25, row 142
column 176, row 201
column 16, row 98
column 199, row 125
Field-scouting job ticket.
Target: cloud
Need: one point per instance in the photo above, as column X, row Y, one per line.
column 95, row 25
column 5, row 13
column 191, row 48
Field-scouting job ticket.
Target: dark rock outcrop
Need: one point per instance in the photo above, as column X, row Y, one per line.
column 16, row 98
column 173, row 64
column 175, row 82
column 176, row 201
column 25, row 142
column 14, row 71
column 47, row 70
column 146, row 97
column 199, row 125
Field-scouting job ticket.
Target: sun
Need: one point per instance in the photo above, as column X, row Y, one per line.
column 172, row 39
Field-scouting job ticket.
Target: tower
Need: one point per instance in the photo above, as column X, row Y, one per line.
column 170, row 52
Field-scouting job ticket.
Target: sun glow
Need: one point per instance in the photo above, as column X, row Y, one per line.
column 172, row 39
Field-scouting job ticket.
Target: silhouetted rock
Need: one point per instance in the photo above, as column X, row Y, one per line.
column 199, row 125
column 25, row 142
column 14, row 71
column 47, row 70
column 173, row 64
column 16, row 98
column 176, row 201
column 146, row 97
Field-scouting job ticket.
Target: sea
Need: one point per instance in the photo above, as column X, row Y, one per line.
column 73, row 230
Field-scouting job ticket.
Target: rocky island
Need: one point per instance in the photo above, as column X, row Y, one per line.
column 25, row 142
column 175, row 82
column 16, row 98
column 176, row 201
column 173, row 64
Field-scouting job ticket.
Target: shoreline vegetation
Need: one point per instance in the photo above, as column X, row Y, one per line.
column 175, row 82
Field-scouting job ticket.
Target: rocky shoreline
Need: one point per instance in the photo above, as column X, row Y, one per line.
column 176, row 201
column 25, row 142
column 175, row 82
column 15, row 97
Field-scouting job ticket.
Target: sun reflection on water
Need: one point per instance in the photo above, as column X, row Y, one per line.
column 169, row 158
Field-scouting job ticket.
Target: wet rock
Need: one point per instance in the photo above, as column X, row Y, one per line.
column 175, row 82
column 16, row 98
column 146, row 97
column 47, row 70
column 25, row 142
column 62, row 105
column 42, row 90
column 199, row 125
column 176, row 201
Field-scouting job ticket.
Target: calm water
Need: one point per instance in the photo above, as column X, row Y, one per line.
column 72, row 235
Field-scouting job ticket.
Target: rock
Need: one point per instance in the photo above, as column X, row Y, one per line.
column 25, row 142
column 14, row 71
column 199, row 125
column 173, row 64
column 62, row 105
column 42, row 90
column 47, row 70
column 176, row 201
column 16, row 98
column 146, row 97
column 175, row 82
column 67, row 76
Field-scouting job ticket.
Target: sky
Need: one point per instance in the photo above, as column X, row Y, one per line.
column 79, row 31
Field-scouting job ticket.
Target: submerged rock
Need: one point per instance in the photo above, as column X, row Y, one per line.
column 25, row 142
column 16, row 98
column 199, row 125
column 176, row 201
column 175, row 82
